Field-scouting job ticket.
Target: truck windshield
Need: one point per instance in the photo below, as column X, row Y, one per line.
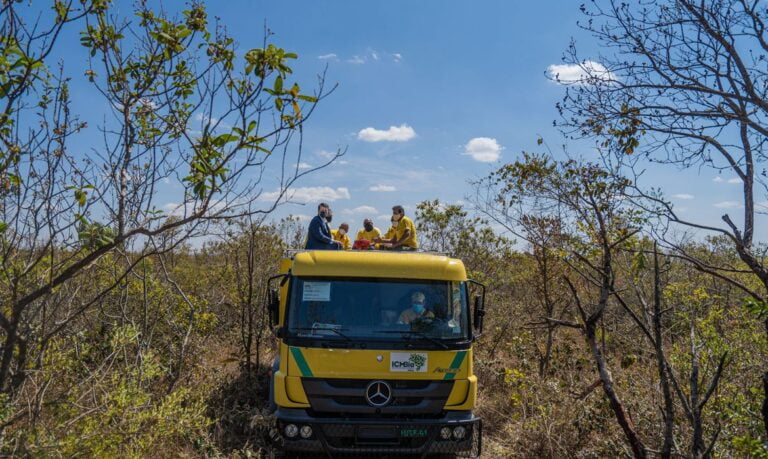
column 430, row 312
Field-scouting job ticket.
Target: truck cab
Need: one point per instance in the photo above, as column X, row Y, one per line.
column 361, row 368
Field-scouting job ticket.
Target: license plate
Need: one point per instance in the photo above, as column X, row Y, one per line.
column 413, row 433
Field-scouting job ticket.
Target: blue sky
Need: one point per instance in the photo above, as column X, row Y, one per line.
column 463, row 84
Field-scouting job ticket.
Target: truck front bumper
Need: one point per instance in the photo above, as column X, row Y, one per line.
column 337, row 436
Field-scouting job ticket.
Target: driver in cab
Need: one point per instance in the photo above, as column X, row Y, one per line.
column 417, row 310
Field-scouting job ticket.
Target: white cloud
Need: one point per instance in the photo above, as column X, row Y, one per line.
column 372, row 55
column 682, row 196
column 483, row 149
column 382, row 188
column 361, row 210
column 205, row 118
column 727, row 204
column 173, row 208
column 308, row 194
column 305, row 166
column 402, row 133
column 325, row 154
column 588, row 72
column 717, row 179
column 329, row 56
column 734, row 180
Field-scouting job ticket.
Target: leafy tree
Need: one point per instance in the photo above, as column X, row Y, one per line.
column 186, row 109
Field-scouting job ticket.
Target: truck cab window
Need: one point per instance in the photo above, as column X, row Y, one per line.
column 367, row 310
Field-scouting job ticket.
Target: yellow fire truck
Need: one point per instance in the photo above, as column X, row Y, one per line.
column 375, row 353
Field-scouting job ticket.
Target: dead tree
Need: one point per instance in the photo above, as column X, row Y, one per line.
column 684, row 83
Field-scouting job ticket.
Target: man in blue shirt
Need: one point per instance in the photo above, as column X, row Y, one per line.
column 319, row 234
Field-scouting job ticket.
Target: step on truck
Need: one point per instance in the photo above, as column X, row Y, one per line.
column 361, row 367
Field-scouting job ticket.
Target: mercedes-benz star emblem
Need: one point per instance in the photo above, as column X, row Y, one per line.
column 378, row 394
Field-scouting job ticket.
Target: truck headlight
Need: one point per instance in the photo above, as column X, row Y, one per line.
column 445, row 433
column 305, row 432
column 291, row 430
column 459, row 432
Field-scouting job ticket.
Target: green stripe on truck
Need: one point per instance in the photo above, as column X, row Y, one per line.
column 301, row 362
column 456, row 364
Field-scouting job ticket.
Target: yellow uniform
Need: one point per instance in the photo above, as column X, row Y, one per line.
column 390, row 232
column 368, row 235
column 346, row 244
column 409, row 315
column 403, row 224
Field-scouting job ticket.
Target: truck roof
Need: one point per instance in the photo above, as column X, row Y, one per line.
column 377, row 264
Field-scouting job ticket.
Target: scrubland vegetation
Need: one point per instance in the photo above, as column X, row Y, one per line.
column 128, row 330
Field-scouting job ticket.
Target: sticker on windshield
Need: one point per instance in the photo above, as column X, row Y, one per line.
column 317, row 291
column 408, row 361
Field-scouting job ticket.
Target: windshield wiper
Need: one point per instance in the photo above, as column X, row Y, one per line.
column 324, row 329
column 419, row 333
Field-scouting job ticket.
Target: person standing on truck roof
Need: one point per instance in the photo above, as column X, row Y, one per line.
column 342, row 235
column 405, row 232
column 418, row 309
column 369, row 232
column 319, row 234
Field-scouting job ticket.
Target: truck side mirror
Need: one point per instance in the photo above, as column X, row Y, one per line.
column 478, row 314
column 273, row 306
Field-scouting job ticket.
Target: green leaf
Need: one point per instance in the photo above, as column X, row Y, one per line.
column 80, row 197
column 224, row 139
column 278, row 87
column 3, row 227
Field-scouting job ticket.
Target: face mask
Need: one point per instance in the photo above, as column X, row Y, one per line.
column 418, row 308
column 323, row 213
column 369, row 227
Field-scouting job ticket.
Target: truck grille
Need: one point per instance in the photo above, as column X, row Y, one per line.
column 347, row 396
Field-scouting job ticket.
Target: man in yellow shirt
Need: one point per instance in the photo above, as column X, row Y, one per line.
column 417, row 310
column 369, row 232
column 342, row 236
column 405, row 232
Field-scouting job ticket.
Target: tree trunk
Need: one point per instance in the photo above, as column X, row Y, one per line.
column 669, row 407
column 638, row 449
